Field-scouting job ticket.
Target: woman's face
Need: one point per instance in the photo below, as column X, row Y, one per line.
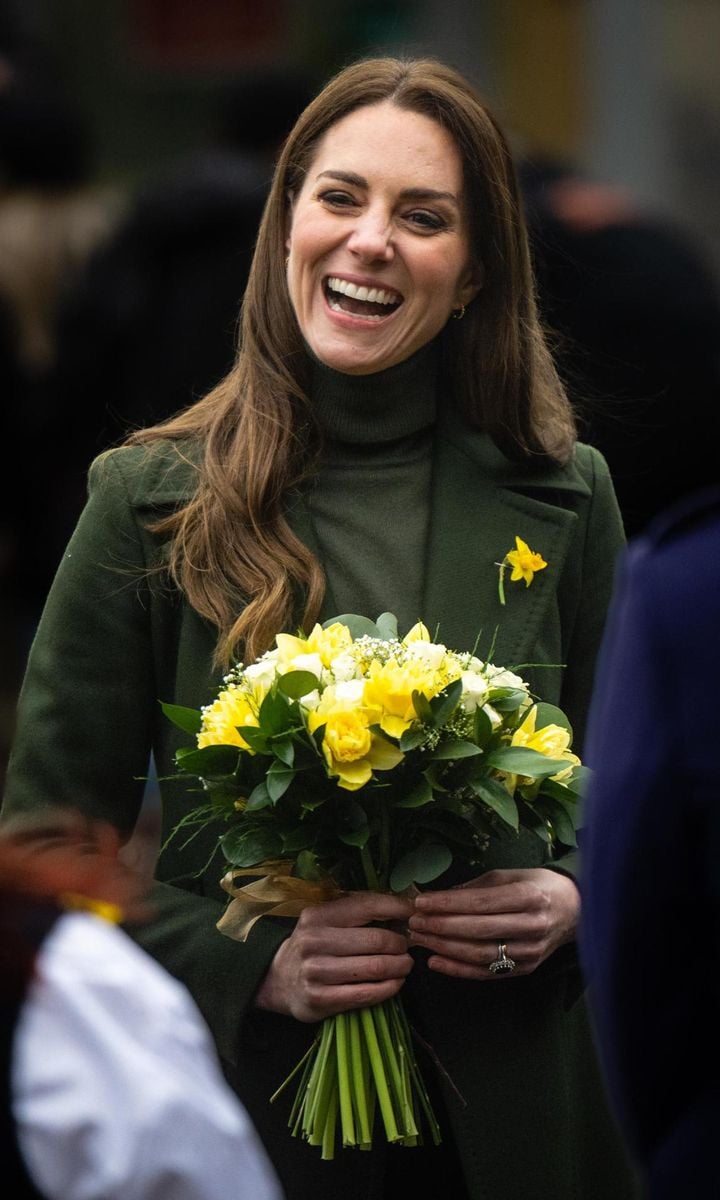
column 378, row 244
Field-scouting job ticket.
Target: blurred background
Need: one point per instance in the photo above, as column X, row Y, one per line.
column 137, row 138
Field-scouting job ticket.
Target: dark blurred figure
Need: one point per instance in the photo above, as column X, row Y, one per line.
column 52, row 217
column 650, row 930
column 637, row 311
column 152, row 326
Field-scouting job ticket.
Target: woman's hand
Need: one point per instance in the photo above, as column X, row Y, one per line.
column 532, row 911
column 334, row 961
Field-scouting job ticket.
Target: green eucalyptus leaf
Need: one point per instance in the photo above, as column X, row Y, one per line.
column 250, row 848
column 358, row 626
column 521, row 760
column 559, row 818
column 278, row 780
column 420, row 866
column 412, row 738
column 274, row 715
column 420, row 795
column 579, row 780
column 255, row 738
column 387, row 626
column 302, row 837
column 284, row 750
column 353, row 828
column 258, row 798
column 209, row 760
column 532, row 820
column 295, row 684
column 457, row 748
column 422, row 707
column 550, row 714
column 482, row 728
column 506, row 700
column 492, row 793
column 443, row 705
column 187, row 719
column 306, row 866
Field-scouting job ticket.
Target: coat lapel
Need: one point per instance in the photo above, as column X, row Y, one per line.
column 480, row 502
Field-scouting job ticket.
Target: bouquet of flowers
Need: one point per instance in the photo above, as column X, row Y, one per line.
column 355, row 759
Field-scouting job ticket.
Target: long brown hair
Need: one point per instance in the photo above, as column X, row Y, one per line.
column 231, row 548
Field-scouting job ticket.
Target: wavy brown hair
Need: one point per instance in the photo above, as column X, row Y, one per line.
column 232, row 550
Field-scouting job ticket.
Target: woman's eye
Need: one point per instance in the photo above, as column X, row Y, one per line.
column 337, row 199
column 426, row 221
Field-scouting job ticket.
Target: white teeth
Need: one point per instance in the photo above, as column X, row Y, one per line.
column 373, row 295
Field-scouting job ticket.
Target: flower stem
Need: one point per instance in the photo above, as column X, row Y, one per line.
column 378, row 1070
column 344, row 1074
column 359, row 1073
column 368, row 866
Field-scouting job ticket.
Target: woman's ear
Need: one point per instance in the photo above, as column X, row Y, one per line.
column 470, row 286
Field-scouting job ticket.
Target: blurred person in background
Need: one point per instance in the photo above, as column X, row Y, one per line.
column 650, row 930
column 111, row 1089
column 52, row 216
column 636, row 309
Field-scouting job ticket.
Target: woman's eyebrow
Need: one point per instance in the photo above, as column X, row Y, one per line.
column 413, row 193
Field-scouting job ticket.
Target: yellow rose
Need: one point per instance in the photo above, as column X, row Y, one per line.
column 352, row 752
column 220, row 720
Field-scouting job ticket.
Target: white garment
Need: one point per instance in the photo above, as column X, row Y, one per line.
column 117, row 1090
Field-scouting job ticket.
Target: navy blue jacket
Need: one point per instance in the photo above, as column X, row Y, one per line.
column 650, row 869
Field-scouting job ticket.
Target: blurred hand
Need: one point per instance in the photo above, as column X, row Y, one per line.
column 532, row 911
column 335, row 961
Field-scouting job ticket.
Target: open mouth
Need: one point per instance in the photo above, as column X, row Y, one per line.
column 374, row 304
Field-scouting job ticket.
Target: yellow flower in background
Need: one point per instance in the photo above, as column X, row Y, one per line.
column 525, row 564
column 220, row 720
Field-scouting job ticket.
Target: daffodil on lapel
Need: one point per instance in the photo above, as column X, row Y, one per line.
column 525, row 564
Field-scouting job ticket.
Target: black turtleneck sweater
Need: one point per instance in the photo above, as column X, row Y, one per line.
column 370, row 500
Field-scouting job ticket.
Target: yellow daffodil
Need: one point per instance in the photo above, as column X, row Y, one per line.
column 525, row 564
column 390, row 687
column 552, row 740
column 418, row 633
column 222, row 720
column 325, row 643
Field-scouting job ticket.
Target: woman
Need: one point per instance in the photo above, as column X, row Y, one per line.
column 392, row 423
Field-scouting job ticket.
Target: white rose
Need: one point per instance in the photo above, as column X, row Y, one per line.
column 475, row 690
column 262, row 672
column 308, row 662
column 431, row 654
column 350, row 691
column 499, row 677
column 311, row 700
column 343, row 668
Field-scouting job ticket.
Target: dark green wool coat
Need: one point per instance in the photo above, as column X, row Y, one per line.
column 114, row 641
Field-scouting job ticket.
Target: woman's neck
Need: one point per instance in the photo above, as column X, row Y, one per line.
column 383, row 407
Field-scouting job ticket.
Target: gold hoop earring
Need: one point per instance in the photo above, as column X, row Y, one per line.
column 459, row 313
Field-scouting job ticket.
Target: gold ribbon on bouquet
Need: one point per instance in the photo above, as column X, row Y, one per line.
column 275, row 894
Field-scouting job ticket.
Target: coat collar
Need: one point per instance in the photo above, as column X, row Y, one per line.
column 480, row 502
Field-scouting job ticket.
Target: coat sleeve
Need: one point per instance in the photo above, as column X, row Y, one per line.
column 86, row 715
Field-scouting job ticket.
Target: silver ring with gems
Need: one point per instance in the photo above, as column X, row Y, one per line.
column 502, row 965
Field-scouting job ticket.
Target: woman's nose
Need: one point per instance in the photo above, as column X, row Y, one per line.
column 371, row 238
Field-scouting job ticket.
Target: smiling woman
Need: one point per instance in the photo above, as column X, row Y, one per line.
column 392, row 424
column 379, row 249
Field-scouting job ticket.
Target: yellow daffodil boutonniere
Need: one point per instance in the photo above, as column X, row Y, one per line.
column 525, row 564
